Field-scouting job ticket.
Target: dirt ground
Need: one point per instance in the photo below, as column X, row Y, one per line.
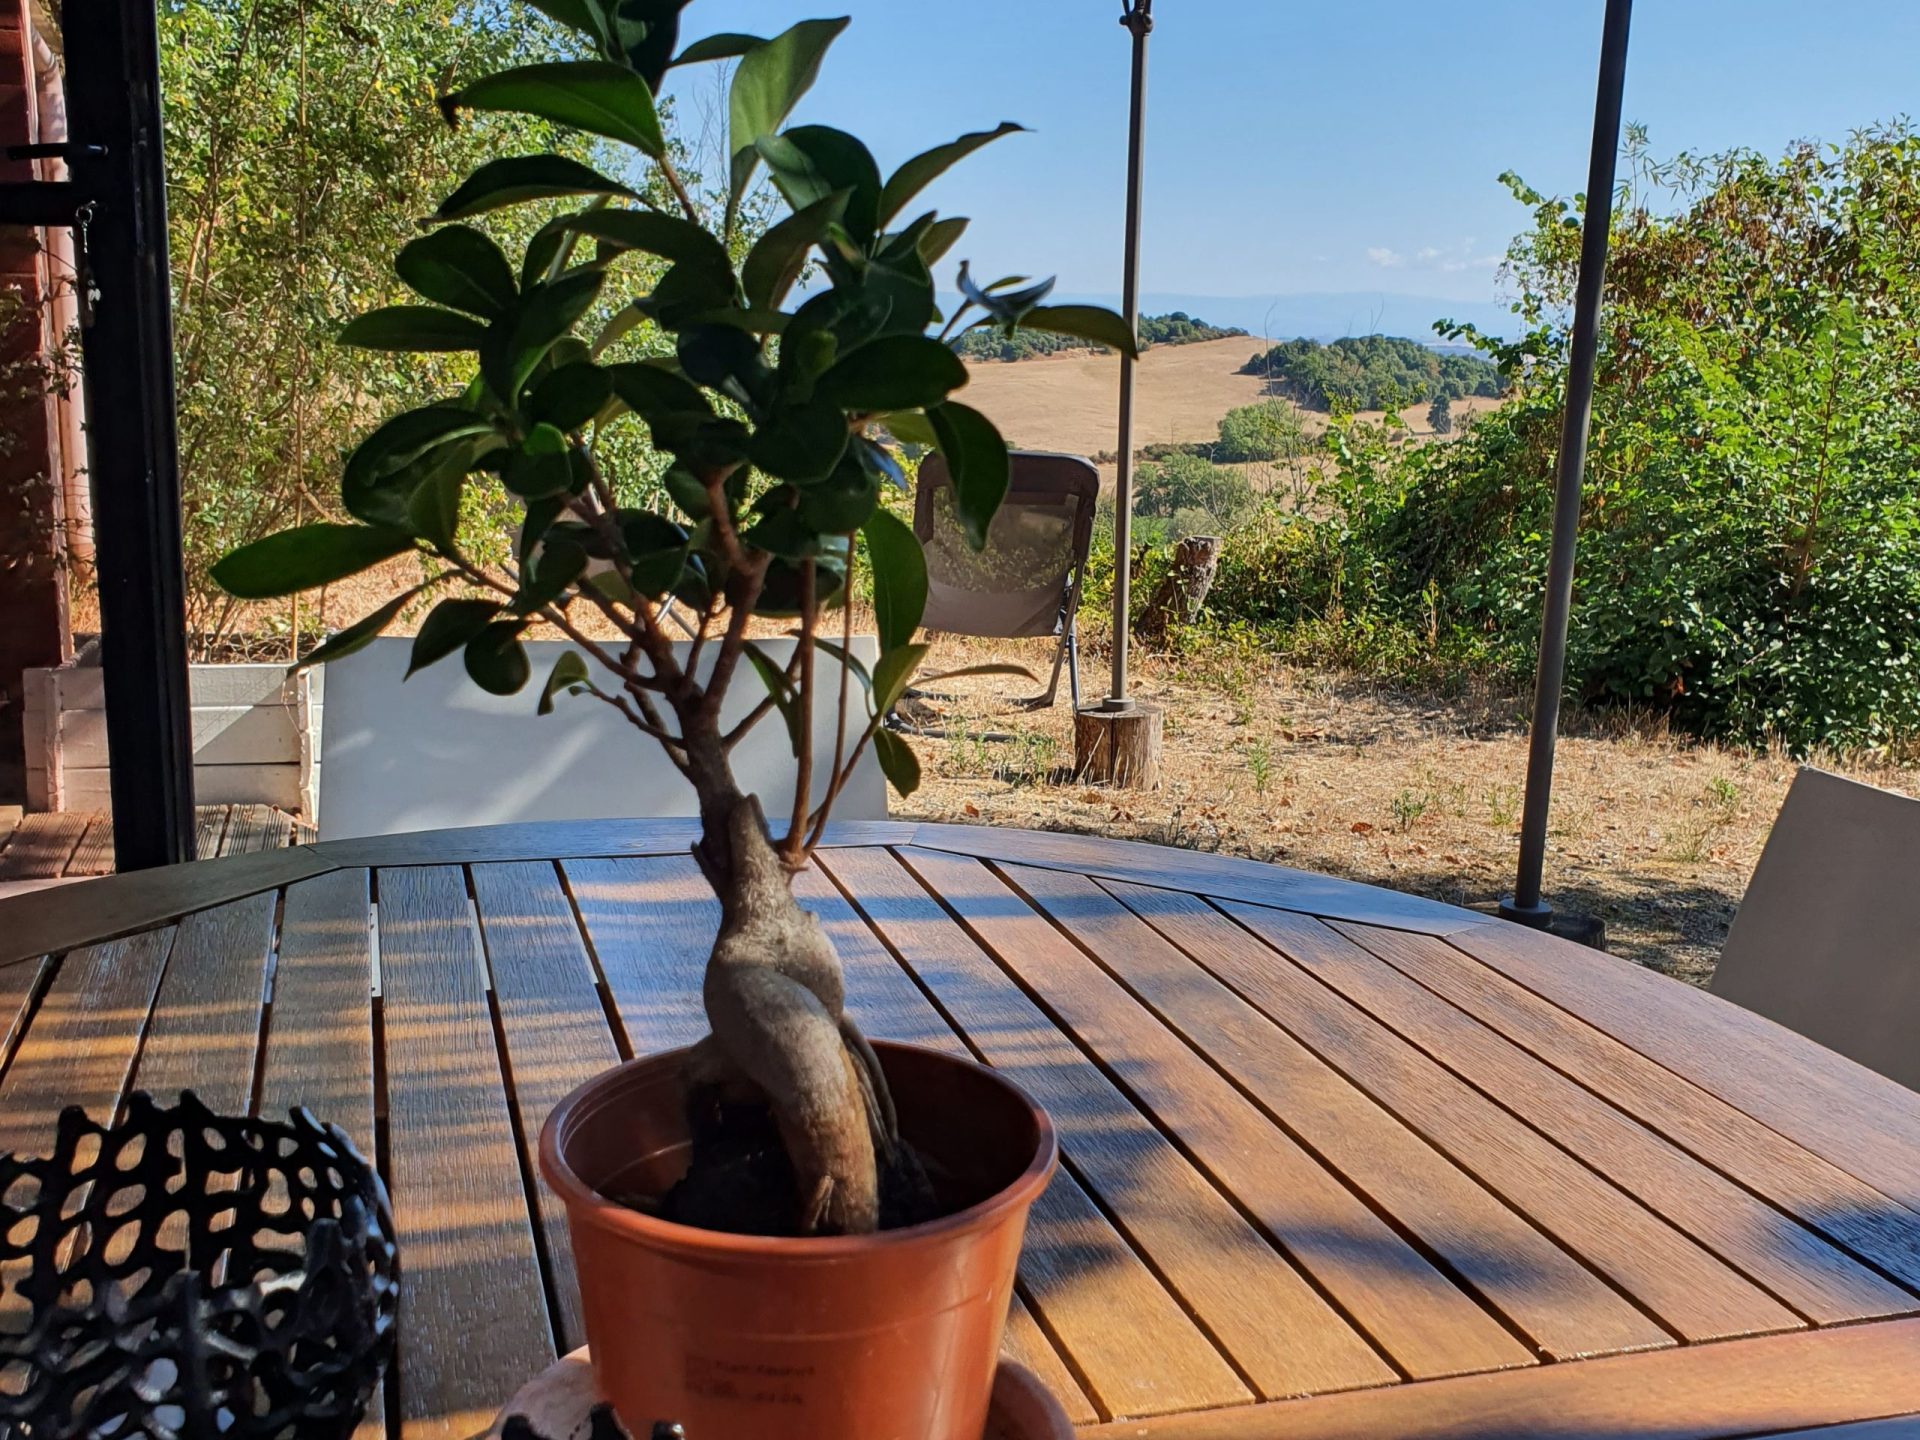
column 1656, row 835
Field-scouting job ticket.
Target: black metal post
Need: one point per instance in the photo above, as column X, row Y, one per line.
column 113, row 103
column 1525, row 904
column 1138, row 18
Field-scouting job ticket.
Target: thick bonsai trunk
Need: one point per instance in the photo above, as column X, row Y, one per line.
column 774, row 996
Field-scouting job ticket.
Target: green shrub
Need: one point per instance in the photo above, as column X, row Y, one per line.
column 1264, row 432
column 1186, row 482
column 1371, row 372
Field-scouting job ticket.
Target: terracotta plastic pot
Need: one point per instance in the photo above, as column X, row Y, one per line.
column 893, row 1336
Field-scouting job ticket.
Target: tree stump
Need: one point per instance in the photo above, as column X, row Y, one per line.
column 1118, row 747
column 1177, row 599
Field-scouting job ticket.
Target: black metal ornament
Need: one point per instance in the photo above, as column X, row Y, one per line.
column 190, row 1274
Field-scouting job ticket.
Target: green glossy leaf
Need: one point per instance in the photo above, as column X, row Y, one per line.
column 911, row 427
column 841, row 503
column 655, row 393
column 1008, row 306
column 401, row 440
column 569, row 673
column 449, row 626
column 810, row 162
column 725, row 46
column 894, row 672
column 656, row 551
column 515, row 346
column 301, row 558
column 778, row 257
column 597, row 96
column 768, row 83
column 897, row 762
column 846, row 657
column 801, row 442
column 581, row 15
column 1083, row 322
column 940, row 237
column 899, row 578
column 497, row 661
column 357, row 636
column 570, row 395
column 433, row 510
column 540, row 467
column 515, row 179
column 895, row 372
column 667, row 236
column 425, row 328
column 554, row 567
column 921, row 171
column 785, row 700
column 458, row 266
column 978, row 463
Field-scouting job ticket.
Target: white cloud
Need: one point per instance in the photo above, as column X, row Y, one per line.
column 1447, row 260
column 1386, row 259
column 1426, row 255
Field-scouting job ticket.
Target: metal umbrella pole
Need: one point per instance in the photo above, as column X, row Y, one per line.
column 1137, row 17
column 1525, row 904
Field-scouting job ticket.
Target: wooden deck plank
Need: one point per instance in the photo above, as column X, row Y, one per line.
column 1790, row 1261
column 205, row 1030
column 473, row 1310
column 1818, row 1192
column 1699, row 1392
column 1864, row 1123
column 1426, row 1324
column 80, row 1047
column 1203, row 873
column 1251, row 1300
column 1133, row 1367
column 42, row 845
column 1693, row 1293
column 1545, row 1292
column 319, row 1044
column 94, row 854
column 250, row 828
column 555, row 1028
column 209, row 826
column 655, row 982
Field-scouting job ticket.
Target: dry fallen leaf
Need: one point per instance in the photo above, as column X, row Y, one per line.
column 972, row 810
column 1361, row 827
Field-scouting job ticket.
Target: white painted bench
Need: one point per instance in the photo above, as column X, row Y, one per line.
column 435, row 752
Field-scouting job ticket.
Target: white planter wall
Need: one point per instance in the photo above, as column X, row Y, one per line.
column 256, row 736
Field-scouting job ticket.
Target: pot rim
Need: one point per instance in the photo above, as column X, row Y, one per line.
column 584, row 1203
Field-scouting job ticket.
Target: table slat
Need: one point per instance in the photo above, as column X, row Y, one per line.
column 651, row 924
column 1279, row 1330
column 1565, row 1308
column 1698, row 1392
column 1863, row 1122
column 18, row 982
column 1140, row 1368
column 205, row 1031
column 555, row 1028
column 319, row 1044
column 1425, row 1323
column 1790, row 1261
column 1815, row 1190
column 1679, row 1282
column 473, row 1309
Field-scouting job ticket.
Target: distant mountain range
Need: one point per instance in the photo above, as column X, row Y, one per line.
column 1320, row 317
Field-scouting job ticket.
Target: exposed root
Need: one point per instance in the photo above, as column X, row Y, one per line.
column 774, row 998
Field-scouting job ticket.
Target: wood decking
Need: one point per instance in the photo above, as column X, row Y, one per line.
column 1337, row 1162
column 73, row 844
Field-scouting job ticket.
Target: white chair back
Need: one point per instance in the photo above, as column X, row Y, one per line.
column 437, row 752
column 1827, row 939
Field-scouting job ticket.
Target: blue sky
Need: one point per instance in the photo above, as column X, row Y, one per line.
column 1311, row 147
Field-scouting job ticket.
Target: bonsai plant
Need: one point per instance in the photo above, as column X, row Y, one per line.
column 781, row 410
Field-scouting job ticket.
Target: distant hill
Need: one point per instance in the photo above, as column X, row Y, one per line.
column 1323, row 317
column 1177, row 328
column 1371, row 372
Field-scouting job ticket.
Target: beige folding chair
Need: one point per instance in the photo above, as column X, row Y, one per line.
column 1028, row 579
column 1827, row 938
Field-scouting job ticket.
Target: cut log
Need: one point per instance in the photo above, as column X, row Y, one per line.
column 1176, row 601
column 1118, row 747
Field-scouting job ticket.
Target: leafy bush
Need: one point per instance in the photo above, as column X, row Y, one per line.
column 1371, row 372
column 1186, row 483
column 1267, row 431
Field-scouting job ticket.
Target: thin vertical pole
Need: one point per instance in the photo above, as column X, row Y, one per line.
column 1139, row 20
column 1525, row 904
column 113, row 94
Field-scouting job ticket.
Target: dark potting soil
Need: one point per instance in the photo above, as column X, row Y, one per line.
column 740, row 1182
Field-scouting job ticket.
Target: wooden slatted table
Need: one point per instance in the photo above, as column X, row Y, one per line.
column 1338, row 1162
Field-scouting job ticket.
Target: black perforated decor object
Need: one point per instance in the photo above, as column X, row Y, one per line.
column 189, row 1274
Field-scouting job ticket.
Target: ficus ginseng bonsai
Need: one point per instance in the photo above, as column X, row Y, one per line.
column 778, row 418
